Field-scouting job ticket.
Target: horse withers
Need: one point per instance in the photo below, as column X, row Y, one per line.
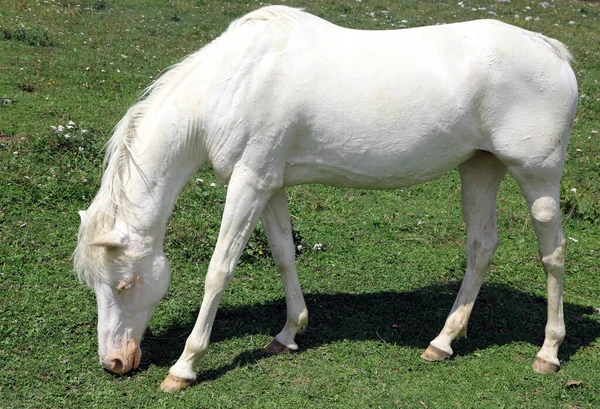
column 284, row 98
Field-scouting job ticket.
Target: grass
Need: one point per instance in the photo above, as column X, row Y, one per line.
column 391, row 257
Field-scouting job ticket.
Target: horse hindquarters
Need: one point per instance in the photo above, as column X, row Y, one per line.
column 527, row 124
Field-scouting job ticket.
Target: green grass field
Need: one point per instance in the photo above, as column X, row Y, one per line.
column 377, row 292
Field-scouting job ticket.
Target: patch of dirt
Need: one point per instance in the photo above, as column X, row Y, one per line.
column 4, row 138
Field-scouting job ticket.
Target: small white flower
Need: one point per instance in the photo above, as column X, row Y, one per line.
column 213, row 185
column 80, row 149
column 299, row 247
column 420, row 223
column 15, row 153
column 60, row 128
column 84, row 131
column 318, row 247
column 55, row 129
column 67, row 136
column 573, row 190
column 200, row 180
column 573, row 240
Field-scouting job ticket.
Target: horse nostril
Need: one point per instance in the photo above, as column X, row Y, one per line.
column 115, row 365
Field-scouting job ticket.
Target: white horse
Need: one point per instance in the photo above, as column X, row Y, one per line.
column 284, row 98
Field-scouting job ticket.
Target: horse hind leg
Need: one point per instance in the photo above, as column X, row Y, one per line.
column 541, row 186
column 278, row 229
column 481, row 177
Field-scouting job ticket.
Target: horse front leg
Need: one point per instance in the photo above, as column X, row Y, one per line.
column 278, row 228
column 245, row 202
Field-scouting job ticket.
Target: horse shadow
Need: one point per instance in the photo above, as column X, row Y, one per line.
column 502, row 315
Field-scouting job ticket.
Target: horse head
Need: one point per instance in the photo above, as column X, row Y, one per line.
column 132, row 275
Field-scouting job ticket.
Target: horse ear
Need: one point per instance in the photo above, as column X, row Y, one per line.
column 84, row 216
column 112, row 240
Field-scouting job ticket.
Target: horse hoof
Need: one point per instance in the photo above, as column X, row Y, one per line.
column 275, row 347
column 175, row 383
column 434, row 354
column 544, row 367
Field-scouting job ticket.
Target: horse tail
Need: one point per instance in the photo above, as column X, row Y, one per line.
column 559, row 48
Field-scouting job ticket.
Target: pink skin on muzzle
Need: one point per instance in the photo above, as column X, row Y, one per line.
column 121, row 362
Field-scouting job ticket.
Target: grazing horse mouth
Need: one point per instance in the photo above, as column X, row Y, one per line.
column 121, row 363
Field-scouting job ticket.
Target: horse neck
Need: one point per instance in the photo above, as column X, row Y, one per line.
column 157, row 167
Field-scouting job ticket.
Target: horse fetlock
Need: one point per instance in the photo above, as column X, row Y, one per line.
column 555, row 334
column 302, row 321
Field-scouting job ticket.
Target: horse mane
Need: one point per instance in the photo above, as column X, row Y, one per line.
column 90, row 261
column 280, row 17
column 101, row 215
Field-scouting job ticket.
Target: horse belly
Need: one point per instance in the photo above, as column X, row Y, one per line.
column 375, row 161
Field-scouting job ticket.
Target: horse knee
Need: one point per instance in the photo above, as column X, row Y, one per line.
column 217, row 279
column 285, row 263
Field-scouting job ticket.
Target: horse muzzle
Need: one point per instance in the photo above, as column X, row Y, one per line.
column 124, row 361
